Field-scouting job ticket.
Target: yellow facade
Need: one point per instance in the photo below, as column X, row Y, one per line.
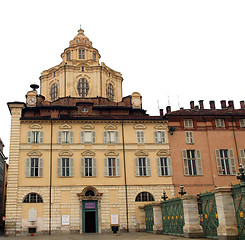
column 86, row 175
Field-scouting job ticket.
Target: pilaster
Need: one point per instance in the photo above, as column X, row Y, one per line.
column 157, row 214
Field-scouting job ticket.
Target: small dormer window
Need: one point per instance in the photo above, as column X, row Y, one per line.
column 84, row 109
column 188, row 123
column 81, row 53
column 94, row 56
column 85, row 41
column 220, row 122
column 68, row 56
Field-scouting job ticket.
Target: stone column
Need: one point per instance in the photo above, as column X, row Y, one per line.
column 192, row 227
column 157, row 214
column 227, row 228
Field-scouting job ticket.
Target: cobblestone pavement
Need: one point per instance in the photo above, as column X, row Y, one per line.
column 97, row 236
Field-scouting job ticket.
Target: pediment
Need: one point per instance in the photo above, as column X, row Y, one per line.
column 34, row 153
column 88, row 153
column 141, row 153
column 65, row 126
column 65, row 153
column 35, row 126
column 87, row 127
column 110, row 127
column 161, row 127
column 140, row 126
column 163, row 153
column 111, row 153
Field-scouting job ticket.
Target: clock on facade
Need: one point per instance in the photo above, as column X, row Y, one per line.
column 136, row 102
column 31, row 100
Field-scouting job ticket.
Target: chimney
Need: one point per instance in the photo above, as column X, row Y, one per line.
column 196, row 107
column 168, row 109
column 212, row 104
column 201, row 104
column 161, row 112
column 223, row 104
column 231, row 104
column 242, row 104
column 192, row 104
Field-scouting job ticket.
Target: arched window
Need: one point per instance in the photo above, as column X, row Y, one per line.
column 89, row 193
column 144, row 197
column 110, row 92
column 82, row 87
column 54, row 91
column 32, row 198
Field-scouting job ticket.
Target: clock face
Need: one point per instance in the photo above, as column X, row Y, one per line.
column 136, row 102
column 31, row 100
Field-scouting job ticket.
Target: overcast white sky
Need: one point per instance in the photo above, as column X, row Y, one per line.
column 166, row 50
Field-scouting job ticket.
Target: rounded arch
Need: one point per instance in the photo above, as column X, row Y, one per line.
column 33, row 198
column 90, row 189
column 144, row 197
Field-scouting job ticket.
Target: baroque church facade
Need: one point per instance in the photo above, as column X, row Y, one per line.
column 83, row 158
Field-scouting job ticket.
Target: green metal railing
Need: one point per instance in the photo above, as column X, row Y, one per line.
column 208, row 214
column 172, row 216
column 149, row 218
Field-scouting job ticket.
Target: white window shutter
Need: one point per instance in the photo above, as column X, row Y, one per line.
column 142, row 137
column 59, row 169
column 82, row 136
column 29, row 136
column 40, row 137
column 185, row 162
column 187, row 137
column 148, row 167
column 218, row 161
column 28, row 163
column 117, row 167
column 155, row 136
column 106, row 172
column 138, row 136
column 94, row 167
column 232, row 161
column 163, row 137
column 242, row 154
column 71, row 167
column 170, row 171
column 105, row 137
column 116, row 137
column 82, row 167
column 71, row 137
column 59, row 137
column 40, row 167
column 199, row 163
column 136, row 161
column 93, row 137
column 159, row 167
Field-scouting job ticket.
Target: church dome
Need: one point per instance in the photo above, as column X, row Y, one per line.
column 80, row 39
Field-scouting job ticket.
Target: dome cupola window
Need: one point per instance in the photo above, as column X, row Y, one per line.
column 68, row 56
column 94, row 56
column 82, row 87
column 110, row 92
column 81, row 53
column 53, row 92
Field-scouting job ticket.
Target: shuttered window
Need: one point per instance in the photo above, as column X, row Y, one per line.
column 225, row 162
column 65, row 167
column 142, row 166
column 88, row 167
column 34, row 137
column 189, row 137
column 88, row 137
column 34, row 167
column 188, row 123
column 242, row 155
column 159, row 137
column 140, row 136
column 220, row 122
column 65, row 137
column 111, row 137
column 112, row 167
column 164, row 166
column 192, row 162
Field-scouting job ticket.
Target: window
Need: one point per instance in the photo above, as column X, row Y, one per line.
column 82, row 87
column 68, row 56
column 159, row 136
column 34, row 167
column 140, row 136
column 110, row 92
column 189, row 137
column 88, row 167
column 82, row 69
column 192, row 162
column 144, row 197
column 225, row 162
column 111, row 137
column 242, row 154
column 65, row 167
column 142, row 166
column 242, row 122
column 87, row 137
column 81, row 53
column 65, row 137
column 35, row 137
column 164, row 166
column 32, row 198
column 94, row 56
column 188, row 123
column 220, row 122
column 54, row 92
column 112, row 167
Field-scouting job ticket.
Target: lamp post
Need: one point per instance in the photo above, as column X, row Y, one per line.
column 182, row 191
column 165, row 196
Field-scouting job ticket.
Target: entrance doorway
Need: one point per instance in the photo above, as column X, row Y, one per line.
column 90, row 222
column 90, row 217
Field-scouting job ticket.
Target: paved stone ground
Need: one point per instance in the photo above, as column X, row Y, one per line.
column 97, row 236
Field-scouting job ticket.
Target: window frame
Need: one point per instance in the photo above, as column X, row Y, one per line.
column 34, row 167
column 53, row 91
column 63, row 167
column 242, row 122
column 148, row 196
column 83, row 137
column 65, row 137
column 164, row 166
column 220, row 122
column 34, row 137
column 68, row 56
column 88, row 169
column 226, row 161
column 140, row 136
column 112, row 167
column 160, row 137
column 81, row 53
column 83, row 87
column 29, row 198
column 109, row 139
column 188, row 123
column 110, row 92
column 142, row 167
column 189, row 137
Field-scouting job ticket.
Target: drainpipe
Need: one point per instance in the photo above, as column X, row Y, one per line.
column 101, row 81
column 65, row 79
column 50, row 180
column 125, row 175
column 234, row 134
